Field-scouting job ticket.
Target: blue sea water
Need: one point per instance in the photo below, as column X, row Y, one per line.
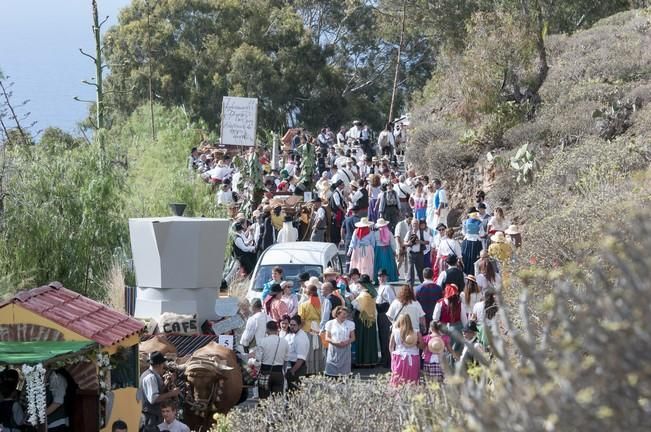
column 39, row 51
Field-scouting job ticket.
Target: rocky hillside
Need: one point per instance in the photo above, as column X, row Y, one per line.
column 588, row 132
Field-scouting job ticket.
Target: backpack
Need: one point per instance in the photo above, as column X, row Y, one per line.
column 391, row 198
column 384, row 140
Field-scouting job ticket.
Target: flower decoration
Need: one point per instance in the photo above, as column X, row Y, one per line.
column 35, row 389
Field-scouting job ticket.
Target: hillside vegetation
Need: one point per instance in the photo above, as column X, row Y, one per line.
column 588, row 129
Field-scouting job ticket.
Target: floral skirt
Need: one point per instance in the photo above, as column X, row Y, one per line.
column 405, row 369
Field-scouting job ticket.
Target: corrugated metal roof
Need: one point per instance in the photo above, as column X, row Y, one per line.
column 80, row 314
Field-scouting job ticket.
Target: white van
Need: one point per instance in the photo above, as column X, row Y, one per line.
column 294, row 258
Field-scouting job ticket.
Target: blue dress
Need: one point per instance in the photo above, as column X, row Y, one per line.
column 471, row 246
column 385, row 258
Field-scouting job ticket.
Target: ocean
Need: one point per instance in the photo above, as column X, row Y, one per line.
column 39, row 52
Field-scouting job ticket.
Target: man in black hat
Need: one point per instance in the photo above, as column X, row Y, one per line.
column 453, row 274
column 150, row 391
column 470, row 331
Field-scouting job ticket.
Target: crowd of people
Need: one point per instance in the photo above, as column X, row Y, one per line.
column 412, row 278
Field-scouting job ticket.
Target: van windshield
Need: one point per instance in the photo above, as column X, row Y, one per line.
column 290, row 273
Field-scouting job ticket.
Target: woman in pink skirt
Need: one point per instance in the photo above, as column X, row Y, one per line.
column 405, row 360
column 362, row 245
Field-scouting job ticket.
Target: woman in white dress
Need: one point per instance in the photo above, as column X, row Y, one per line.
column 340, row 335
column 430, row 214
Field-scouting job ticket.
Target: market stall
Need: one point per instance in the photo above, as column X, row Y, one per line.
column 95, row 348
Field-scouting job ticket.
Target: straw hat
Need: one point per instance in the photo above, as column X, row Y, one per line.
column 435, row 345
column 498, row 237
column 411, row 339
column 381, row 222
column 511, row 230
column 330, row 271
column 363, row 223
column 314, row 281
column 354, row 184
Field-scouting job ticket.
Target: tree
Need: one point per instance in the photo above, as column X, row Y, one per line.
column 64, row 222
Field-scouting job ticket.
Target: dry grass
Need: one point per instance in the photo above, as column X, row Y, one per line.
column 588, row 370
column 113, row 285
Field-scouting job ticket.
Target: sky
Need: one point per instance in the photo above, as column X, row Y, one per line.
column 39, row 51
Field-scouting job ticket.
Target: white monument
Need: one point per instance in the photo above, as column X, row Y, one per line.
column 179, row 263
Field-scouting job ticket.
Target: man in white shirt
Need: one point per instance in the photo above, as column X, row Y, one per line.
column 417, row 241
column 256, row 326
column 244, row 248
column 402, row 228
column 287, row 233
column 341, row 136
column 272, row 353
column 386, row 142
column 170, row 423
column 355, row 131
column 318, row 221
column 225, row 196
column 299, row 347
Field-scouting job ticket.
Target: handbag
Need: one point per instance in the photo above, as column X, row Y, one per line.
column 263, row 377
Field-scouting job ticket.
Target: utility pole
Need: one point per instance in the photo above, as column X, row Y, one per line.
column 149, row 62
column 397, row 72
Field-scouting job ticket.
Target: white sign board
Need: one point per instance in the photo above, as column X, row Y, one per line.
column 227, row 340
column 239, row 121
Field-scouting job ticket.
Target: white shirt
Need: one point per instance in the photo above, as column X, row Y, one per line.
column 443, row 199
column 416, row 248
column 494, row 224
column 390, row 139
column 287, row 233
column 320, row 215
column 413, row 309
column 402, row 189
column 239, row 242
column 175, row 426
column 484, row 284
column 291, row 168
column 255, row 330
column 220, row 172
column 385, row 294
column 225, row 197
column 354, row 132
column 58, row 386
column 402, row 228
column 339, row 332
column 299, row 346
column 448, row 246
column 264, row 353
column 436, row 315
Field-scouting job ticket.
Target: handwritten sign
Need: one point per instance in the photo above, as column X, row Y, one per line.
column 239, row 121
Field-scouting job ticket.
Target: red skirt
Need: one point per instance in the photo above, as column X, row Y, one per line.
column 439, row 266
